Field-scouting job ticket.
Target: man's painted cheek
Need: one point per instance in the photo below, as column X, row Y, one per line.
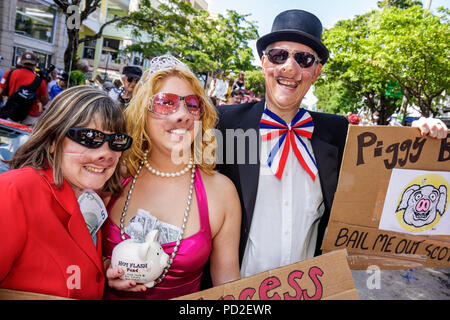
column 307, row 75
column 269, row 70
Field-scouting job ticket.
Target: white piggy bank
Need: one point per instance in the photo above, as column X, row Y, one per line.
column 142, row 262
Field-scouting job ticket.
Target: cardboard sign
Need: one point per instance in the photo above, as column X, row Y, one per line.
column 371, row 153
column 8, row 294
column 325, row 277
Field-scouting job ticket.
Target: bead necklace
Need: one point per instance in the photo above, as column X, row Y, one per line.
column 183, row 226
column 168, row 174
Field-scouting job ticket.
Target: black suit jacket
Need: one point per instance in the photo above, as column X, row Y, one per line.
column 328, row 141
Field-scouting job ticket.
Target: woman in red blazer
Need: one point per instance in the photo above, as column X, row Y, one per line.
column 50, row 216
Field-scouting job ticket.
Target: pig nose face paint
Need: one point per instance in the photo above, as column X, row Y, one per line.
column 84, row 168
column 288, row 83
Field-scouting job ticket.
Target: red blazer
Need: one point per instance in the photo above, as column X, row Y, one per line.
column 45, row 244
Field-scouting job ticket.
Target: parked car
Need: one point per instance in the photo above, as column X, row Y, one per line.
column 12, row 136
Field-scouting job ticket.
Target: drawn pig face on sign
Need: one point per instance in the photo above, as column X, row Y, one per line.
column 422, row 204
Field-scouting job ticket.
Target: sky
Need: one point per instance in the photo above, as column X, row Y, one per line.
column 263, row 12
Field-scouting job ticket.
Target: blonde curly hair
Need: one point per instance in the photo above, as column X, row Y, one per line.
column 136, row 115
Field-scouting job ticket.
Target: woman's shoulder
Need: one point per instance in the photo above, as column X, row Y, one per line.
column 217, row 182
column 25, row 178
column 218, row 187
column 19, row 175
column 223, row 200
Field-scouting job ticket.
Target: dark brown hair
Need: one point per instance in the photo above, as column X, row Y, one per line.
column 74, row 107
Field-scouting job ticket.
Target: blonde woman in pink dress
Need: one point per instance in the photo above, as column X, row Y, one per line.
column 196, row 210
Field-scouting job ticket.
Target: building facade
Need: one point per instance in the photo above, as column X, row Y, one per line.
column 36, row 25
column 199, row 4
column 104, row 54
column 31, row 25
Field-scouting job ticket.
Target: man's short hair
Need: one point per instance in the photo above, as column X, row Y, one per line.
column 82, row 64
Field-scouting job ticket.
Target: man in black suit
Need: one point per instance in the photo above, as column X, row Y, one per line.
column 283, row 159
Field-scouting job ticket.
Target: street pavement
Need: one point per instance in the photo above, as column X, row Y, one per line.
column 412, row 284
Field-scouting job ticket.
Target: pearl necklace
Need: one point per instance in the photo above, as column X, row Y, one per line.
column 168, row 174
column 183, row 226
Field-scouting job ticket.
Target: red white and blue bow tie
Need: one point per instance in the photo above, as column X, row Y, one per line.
column 300, row 129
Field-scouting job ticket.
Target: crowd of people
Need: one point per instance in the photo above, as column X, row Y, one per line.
column 132, row 152
column 225, row 90
column 43, row 86
column 222, row 90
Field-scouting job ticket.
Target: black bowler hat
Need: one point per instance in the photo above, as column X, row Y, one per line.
column 132, row 72
column 296, row 26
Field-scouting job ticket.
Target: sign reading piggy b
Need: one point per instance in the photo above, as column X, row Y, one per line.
column 142, row 262
column 392, row 204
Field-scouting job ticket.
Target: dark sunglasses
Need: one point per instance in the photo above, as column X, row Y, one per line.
column 130, row 79
column 168, row 103
column 279, row 56
column 93, row 139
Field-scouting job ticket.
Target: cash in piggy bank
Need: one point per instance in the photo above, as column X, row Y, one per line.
column 142, row 262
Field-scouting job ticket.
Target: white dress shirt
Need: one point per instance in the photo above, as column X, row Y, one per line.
column 286, row 216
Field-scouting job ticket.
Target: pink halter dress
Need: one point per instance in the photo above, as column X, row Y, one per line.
column 186, row 270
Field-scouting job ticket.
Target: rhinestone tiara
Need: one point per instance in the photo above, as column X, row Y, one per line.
column 160, row 63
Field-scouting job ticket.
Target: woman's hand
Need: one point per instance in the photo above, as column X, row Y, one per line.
column 113, row 277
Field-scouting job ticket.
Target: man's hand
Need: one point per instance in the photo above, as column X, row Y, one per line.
column 435, row 128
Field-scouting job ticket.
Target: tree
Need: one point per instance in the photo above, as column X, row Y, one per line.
column 221, row 41
column 74, row 19
column 152, row 26
column 411, row 47
column 254, row 82
column 203, row 42
column 408, row 47
column 401, row 4
column 349, row 80
column 336, row 97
